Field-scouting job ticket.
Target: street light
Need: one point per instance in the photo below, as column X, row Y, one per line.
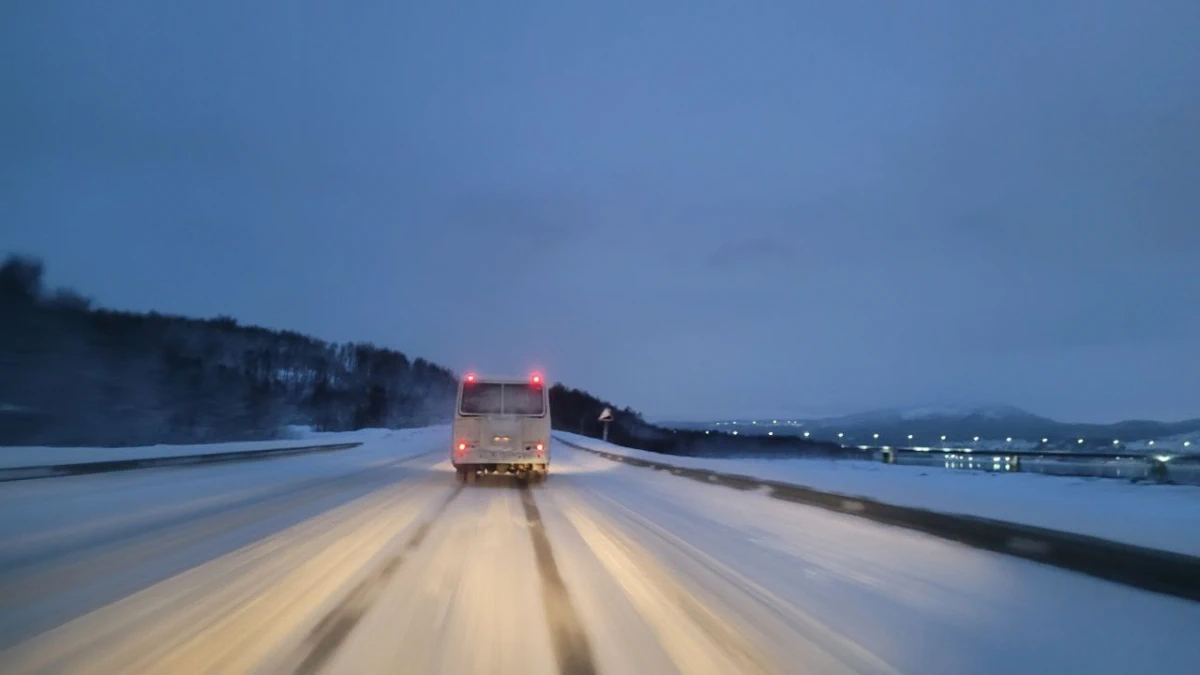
column 1187, row 444
column 1081, row 441
column 1045, row 440
column 806, row 434
column 1151, row 442
column 910, row 437
column 943, row 439
column 876, row 435
column 770, row 433
column 1008, row 440
column 1116, row 441
column 840, row 434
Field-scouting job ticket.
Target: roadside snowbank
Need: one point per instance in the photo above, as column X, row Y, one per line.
column 28, row 456
column 1165, row 517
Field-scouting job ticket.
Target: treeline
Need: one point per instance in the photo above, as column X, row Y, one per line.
column 579, row 412
column 73, row 374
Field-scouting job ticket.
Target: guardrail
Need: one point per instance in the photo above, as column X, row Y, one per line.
column 83, row 468
column 1166, row 572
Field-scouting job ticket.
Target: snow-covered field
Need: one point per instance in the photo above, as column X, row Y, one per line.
column 24, row 456
column 1158, row 516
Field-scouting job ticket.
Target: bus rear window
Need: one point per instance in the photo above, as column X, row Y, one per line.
column 523, row 399
column 482, row 398
column 493, row 398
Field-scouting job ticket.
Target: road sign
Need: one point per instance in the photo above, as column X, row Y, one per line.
column 606, row 417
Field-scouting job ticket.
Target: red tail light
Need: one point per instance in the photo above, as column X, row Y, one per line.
column 462, row 447
column 470, row 377
column 536, row 379
column 540, row 447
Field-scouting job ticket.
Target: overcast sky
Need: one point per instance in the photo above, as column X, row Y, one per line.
column 697, row 209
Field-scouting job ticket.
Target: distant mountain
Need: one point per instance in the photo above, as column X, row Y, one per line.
column 961, row 426
column 937, row 414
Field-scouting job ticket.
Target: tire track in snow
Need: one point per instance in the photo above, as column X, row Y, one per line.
column 571, row 648
column 333, row 629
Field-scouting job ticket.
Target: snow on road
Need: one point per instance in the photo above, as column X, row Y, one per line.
column 605, row 568
column 111, row 534
column 1165, row 517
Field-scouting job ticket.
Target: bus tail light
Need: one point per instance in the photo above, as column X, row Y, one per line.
column 462, row 447
column 536, row 379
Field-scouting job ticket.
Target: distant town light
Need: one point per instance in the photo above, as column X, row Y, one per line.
column 806, row 434
column 770, row 433
column 943, row 437
column 1151, row 442
column 735, row 432
column 753, row 421
column 707, row 432
column 840, row 434
column 1045, row 440
column 876, row 435
column 1081, row 441
column 910, row 437
column 976, row 439
column 1116, row 441
column 1187, row 444
column 774, row 421
column 1008, row 440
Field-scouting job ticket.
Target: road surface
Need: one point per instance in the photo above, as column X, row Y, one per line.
column 377, row 561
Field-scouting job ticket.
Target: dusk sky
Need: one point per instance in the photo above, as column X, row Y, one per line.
column 697, row 209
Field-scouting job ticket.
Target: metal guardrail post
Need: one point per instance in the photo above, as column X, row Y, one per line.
column 1158, row 470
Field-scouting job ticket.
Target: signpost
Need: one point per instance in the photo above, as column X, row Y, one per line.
column 606, row 417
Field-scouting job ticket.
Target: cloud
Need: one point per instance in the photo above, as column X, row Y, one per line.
column 752, row 252
column 518, row 214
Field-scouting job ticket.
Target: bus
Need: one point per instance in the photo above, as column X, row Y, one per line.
column 501, row 425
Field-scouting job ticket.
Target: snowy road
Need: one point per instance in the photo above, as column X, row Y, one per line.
column 376, row 561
